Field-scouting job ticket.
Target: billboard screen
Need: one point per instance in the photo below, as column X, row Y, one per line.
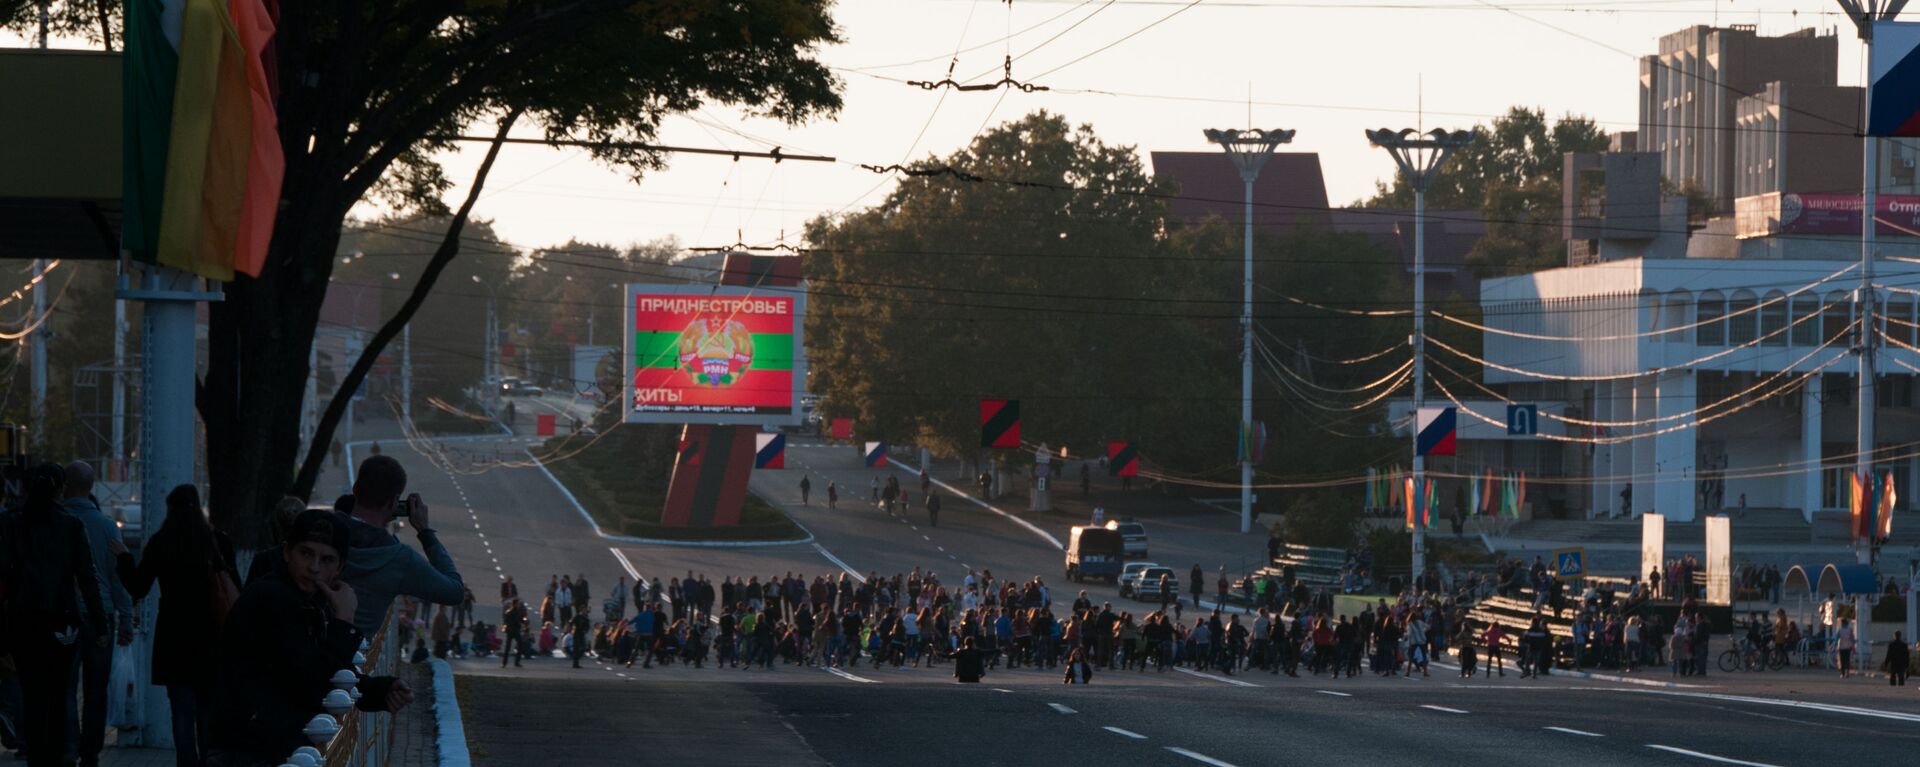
column 714, row 355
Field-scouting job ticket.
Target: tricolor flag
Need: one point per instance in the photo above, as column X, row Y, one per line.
column 769, row 450
column 201, row 153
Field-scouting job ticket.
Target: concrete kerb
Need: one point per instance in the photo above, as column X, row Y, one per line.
column 582, row 510
column 450, row 736
column 1035, row 529
column 1599, row 678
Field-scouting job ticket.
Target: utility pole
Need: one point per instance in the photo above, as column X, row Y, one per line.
column 38, row 338
column 1865, row 13
column 1249, row 150
column 1419, row 157
column 406, row 373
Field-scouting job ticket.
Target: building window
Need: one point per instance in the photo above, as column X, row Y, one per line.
column 1773, row 321
column 1740, row 319
column 1807, row 332
column 1710, row 314
column 1899, row 324
column 1836, row 318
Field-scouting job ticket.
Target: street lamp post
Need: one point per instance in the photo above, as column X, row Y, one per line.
column 1419, row 157
column 489, row 357
column 1249, row 150
column 1866, row 13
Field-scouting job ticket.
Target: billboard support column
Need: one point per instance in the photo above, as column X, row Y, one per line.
column 723, row 361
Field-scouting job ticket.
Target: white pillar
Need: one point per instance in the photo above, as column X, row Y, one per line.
column 1673, row 452
column 1605, row 492
column 1812, row 415
column 1645, row 489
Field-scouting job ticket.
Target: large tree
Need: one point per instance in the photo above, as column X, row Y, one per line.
column 370, row 92
column 1512, row 176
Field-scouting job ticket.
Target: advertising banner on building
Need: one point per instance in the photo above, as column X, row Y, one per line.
column 1766, row 215
column 703, row 354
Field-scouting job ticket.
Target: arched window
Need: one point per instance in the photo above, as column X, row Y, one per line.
column 1710, row 313
column 1773, row 320
column 1677, row 310
column 1836, row 317
column 1741, row 327
column 1899, row 324
column 1805, row 311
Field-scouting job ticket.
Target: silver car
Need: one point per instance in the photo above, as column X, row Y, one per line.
column 1135, row 536
column 1130, row 575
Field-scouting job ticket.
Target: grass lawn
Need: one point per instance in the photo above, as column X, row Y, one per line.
column 626, row 501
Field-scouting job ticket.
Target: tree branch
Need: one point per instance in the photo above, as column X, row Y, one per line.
column 444, row 255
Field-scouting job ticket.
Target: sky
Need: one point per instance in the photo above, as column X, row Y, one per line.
column 1326, row 68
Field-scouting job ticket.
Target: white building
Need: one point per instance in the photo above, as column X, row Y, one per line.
column 1694, row 381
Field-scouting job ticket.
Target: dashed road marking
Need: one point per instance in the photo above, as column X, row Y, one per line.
column 1708, row 757
column 850, row 677
column 1442, row 708
column 1061, row 709
column 1199, row 757
column 1204, row 675
column 1336, row 694
column 1001, row 689
column 1571, row 731
column 1126, row 733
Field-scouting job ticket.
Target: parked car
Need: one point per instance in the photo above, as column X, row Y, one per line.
column 1147, row 587
column 523, row 389
column 1130, row 574
column 1135, row 535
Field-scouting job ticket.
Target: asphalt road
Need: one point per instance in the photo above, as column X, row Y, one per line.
column 516, row 520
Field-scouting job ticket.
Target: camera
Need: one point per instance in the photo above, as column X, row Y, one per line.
column 403, row 509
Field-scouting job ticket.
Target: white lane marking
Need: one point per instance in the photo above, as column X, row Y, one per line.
column 850, row 677
column 952, row 557
column 836, row 560
column 1001, row 689
column 1708, row 757
column 1442, row 708
column 624, row 564
column 925, row 538
column 1571, row 731
column 990, row 507
column 1336, row 694
column 942, row 548
column 1199, row 757
column 916, row 527
column 1127, row 733
column 1826, row 707
column 1061, row 709
column 483, row 535
column 1204, row 675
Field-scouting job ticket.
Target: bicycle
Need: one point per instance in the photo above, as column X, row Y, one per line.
column 1750, row 659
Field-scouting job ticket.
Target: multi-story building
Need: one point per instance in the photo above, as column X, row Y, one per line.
column 1690, row 91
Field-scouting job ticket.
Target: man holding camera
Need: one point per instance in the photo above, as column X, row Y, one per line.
column 379, row 566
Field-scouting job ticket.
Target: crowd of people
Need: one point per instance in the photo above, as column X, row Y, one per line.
column 245, row 647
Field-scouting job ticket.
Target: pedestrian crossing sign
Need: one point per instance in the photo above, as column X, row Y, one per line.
column 1569, row 564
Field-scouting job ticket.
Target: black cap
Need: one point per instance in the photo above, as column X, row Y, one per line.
column 320, row 526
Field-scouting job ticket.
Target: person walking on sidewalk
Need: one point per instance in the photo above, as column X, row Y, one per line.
column 833, row 495
column 1197, row 583
column 933, row 510
column 806, row 488
column 1897, row 661
column 49, row 575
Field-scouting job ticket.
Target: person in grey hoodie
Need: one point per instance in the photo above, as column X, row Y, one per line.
column 93, row 665
column 379, row 566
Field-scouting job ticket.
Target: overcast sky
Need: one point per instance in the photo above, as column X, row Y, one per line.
column 1328, row 68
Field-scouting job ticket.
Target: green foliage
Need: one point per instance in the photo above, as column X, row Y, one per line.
column 97, row 22
column 369, row 92
column 1322, row 519
column 1069, row 300
column 1512, row 176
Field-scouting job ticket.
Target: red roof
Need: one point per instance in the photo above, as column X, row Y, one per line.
column 1289, row 192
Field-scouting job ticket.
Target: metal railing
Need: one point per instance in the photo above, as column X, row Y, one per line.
column 366, row 737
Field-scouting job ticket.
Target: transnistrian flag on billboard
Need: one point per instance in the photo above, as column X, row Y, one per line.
column 1436, row 431
column 722, row 353
column 201, row 160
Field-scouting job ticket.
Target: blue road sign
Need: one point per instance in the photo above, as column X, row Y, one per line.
column 1570, row 563
column 1523, row 419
